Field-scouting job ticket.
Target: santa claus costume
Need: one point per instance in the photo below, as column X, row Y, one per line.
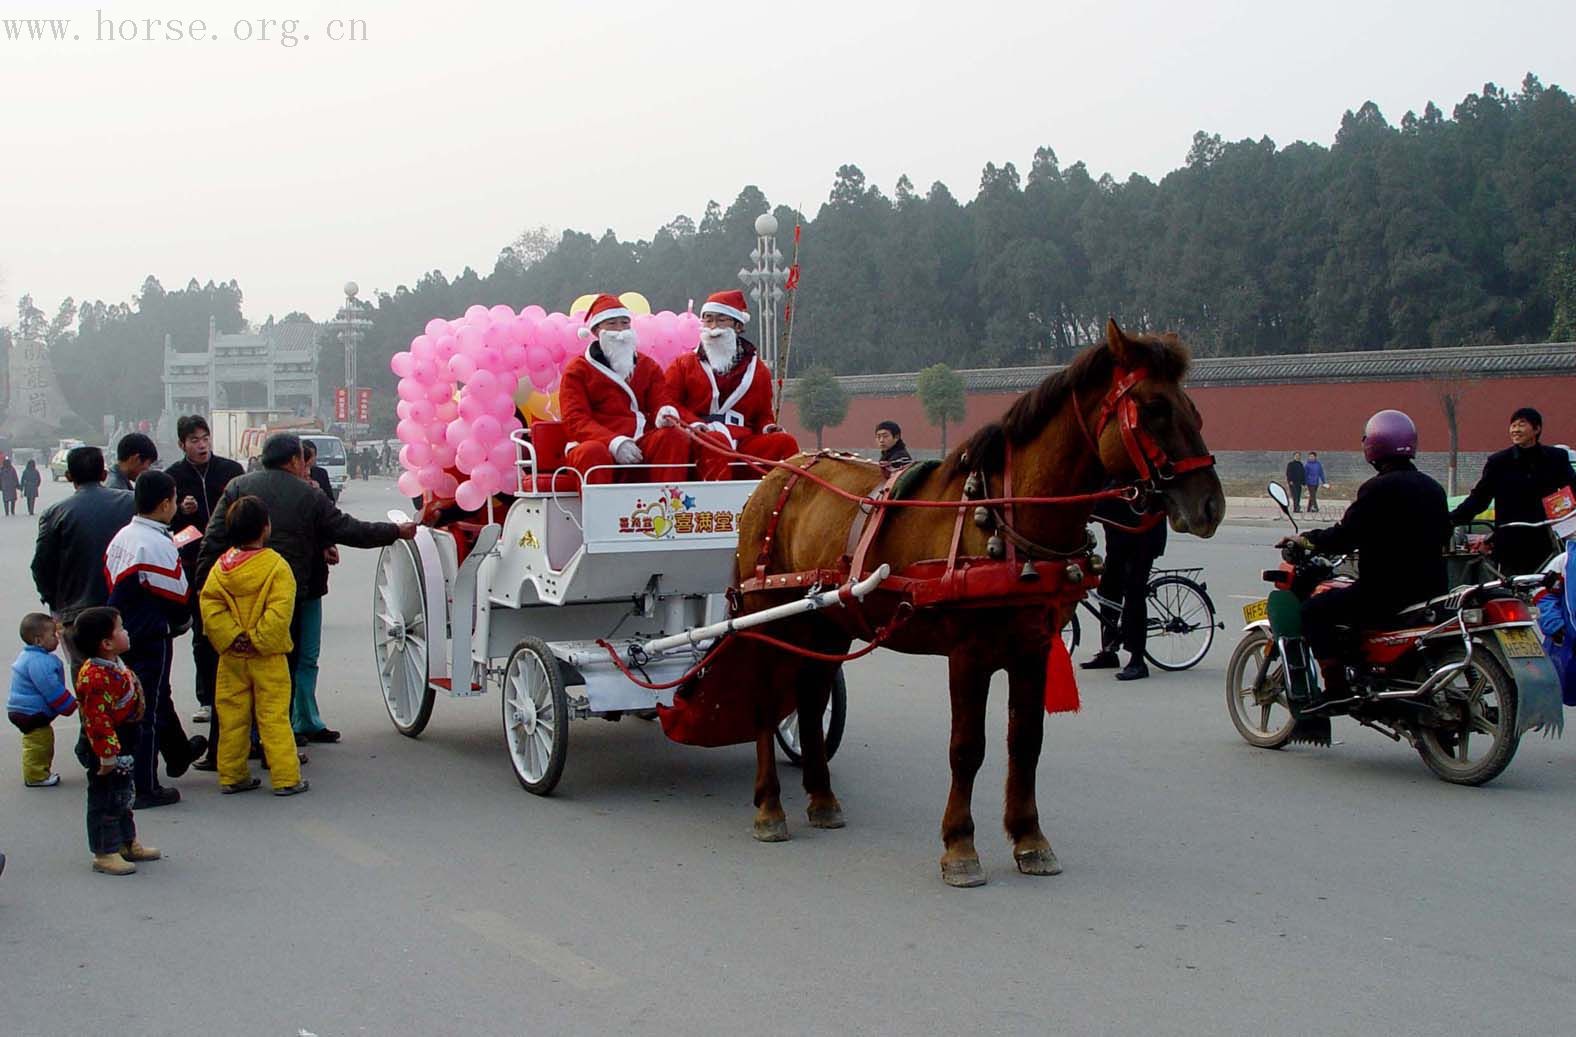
column 617, row 409
column 723, row 390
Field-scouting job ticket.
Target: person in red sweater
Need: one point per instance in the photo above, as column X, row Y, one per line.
column 724, row 392
column 111, row 705
column 617, row 407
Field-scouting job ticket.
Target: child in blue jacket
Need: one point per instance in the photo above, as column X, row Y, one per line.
column 38, row 696
column 1555, row 609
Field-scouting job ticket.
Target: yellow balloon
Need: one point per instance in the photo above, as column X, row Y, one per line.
column 634, row 302
column 582, row 304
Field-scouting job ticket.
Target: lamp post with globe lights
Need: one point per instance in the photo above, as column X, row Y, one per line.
column 351, row 323
column 765, row 281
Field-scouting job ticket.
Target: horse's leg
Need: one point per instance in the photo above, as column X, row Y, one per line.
column 771, row 826
column 970, row 686
column 1025, row 730
column 814, row 688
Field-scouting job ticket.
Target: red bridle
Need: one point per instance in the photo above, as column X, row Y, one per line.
column 1149, row 458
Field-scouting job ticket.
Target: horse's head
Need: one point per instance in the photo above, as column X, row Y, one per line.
column 1147, row 429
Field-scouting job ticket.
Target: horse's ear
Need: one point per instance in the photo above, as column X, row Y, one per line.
column 1117, row 342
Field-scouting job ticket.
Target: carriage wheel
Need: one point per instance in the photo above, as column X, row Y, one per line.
column 400, row 639
column 832, row 722
column 535, row 716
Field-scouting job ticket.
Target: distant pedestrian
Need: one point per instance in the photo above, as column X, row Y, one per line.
column 38, row 695
column 111, row 705
column 73, row 534
column 134, row 454
column 1296, row 478
column 889, row 440
column 1313, row 474
column 10, row 483
column 31, row 480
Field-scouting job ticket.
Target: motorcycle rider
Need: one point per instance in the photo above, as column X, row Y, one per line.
column 1515, row 480
column 1399, row 525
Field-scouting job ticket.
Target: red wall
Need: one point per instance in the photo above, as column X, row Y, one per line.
column 1269, row 417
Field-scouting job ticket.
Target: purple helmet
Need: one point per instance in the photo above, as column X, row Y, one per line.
column 1389, row 435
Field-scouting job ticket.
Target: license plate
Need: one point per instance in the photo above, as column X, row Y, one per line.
column 1256, row 612
column 1520, row 642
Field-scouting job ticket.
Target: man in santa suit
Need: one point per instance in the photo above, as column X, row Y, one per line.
column 724, row 392
column 617, row 408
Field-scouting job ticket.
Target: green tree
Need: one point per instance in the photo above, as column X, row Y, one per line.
column 1564, row 291
column 942, row 394
column 823, row 403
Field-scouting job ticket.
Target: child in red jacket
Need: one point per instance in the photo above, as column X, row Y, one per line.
column 111, row 704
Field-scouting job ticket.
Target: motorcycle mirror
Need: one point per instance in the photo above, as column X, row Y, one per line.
column 1278, row 494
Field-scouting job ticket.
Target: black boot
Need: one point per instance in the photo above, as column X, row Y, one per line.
column 1335, row 684
column 1104, row 659
column 1135, row 670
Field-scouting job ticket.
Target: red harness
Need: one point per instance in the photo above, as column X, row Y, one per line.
column 1149, row 458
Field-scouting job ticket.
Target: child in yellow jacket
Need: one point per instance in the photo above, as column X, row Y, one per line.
column 247, row 604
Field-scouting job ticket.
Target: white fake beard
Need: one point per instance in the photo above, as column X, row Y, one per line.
column 619, row 348
column 722, row 348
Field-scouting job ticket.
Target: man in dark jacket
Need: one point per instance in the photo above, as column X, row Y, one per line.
column 200, row 478
column 889, row 440
column 1124, row 585
column 134, row 454
column 303, row 520
column 68, row 557
column 1399, row 526
column 1295, row 478
column 1516, row 480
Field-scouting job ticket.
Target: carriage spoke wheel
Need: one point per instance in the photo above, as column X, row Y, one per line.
column 1181, row 623
column 832, row 722
column 1258, row 707
column 535, row 716
column 400, row 639
column 1478, row 738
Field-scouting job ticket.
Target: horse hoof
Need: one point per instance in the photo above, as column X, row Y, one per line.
column 774, row 830
column 1038, row 862
column 826, row 817
column 964, row 874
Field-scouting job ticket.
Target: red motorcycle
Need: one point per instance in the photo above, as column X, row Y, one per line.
column 1460, row 677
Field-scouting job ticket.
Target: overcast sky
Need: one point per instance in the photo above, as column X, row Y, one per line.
column 452, row 125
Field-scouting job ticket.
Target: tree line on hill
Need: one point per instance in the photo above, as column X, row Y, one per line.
column 1437, row 230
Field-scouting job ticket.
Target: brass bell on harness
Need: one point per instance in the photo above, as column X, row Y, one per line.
column 1075, row 573
column 971, row 485
column 1029, row 572
column 982, row 517
column 996, row 548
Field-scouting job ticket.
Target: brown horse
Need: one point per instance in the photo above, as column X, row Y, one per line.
column 1050, row 442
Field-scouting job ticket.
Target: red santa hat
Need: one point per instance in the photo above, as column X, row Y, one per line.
column 605, row 307
column 729, row 304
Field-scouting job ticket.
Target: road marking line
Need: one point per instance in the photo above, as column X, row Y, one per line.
column 341, row 845
column 537, row 949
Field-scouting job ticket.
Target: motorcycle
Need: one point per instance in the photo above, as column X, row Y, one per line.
column 1460, row 678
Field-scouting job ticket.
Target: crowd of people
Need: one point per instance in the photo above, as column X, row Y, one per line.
column 130, row 562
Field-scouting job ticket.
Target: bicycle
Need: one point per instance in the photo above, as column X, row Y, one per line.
column 1182, row 621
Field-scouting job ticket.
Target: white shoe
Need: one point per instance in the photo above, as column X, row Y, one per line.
column 202, row 716
column 48, row 783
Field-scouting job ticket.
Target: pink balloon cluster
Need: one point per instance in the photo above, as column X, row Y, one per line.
column 487, row 353
column 490, row 354
column 663, row 336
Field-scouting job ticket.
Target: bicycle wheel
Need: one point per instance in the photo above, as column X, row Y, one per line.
column 1181, row 623
column 1071, row 633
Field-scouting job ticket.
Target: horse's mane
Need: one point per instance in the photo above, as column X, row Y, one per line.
column 1164, row 356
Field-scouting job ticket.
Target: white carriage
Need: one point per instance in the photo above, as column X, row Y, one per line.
column 520, row 601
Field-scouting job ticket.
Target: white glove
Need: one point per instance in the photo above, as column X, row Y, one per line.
column 668, row 417
column 769, row 429
column 628, row 453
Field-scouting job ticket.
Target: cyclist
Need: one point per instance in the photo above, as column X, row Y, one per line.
column 1124, row 614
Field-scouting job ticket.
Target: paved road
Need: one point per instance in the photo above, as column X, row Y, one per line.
column 1210, row 888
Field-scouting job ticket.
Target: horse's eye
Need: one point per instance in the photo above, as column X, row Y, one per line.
column 1158, row 408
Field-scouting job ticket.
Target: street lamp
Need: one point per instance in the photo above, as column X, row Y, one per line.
column 352, row 325
column 765, row 282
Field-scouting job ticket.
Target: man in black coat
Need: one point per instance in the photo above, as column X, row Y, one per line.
column 889, row 440
column 1130, row 555
column 200, row 478
column 1295, row 478
column 1399, row 525
column 1516, row 480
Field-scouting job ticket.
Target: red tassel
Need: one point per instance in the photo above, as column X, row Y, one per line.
column 1061, row 684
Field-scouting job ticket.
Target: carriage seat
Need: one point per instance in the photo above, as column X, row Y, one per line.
column 551, row 443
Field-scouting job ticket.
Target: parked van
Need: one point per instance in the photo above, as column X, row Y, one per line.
column 331, row 455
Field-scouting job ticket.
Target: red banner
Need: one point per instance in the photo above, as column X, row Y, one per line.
column 364, row 406
column 341, row 404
